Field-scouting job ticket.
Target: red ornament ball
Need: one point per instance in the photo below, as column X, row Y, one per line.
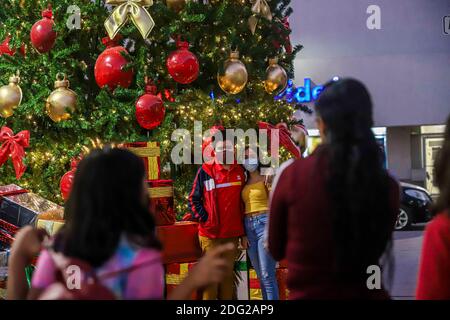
column 150, row 109
column 42, row 35
column 182, row 64
column 109, row 66
column 65, row 185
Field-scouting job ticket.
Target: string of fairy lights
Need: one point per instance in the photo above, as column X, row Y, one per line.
column 183, row 111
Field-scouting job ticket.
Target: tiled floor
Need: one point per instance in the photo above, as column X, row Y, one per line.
column 407, row 247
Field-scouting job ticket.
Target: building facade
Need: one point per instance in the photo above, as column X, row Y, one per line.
column 401, row 51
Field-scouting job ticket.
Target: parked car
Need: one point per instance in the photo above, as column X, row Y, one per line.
column 414, row 206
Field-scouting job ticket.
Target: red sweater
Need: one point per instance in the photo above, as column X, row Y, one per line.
column 434, row 272
column 300, row 230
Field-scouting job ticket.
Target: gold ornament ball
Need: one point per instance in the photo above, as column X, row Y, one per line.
column 233, row 77
column 61, row 100
column 276, row 77
column 176, row 5
column 10, row 96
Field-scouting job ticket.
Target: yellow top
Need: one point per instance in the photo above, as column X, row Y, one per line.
column 255, row 197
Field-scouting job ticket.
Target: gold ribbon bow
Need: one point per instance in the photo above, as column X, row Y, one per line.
column 259, row 8
column 126, row 9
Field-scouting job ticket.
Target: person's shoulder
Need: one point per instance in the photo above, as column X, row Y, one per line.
column 305, row 162
column 285, row 165
column 238, row 168
column 394, row 184
column 393, row 181
column 205, row 170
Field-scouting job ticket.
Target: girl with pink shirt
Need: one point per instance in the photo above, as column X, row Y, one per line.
column 110, row 229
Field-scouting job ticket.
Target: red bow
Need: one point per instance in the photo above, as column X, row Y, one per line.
column 4, row 47
column 285, row 137
column 287, row 39
column 13, row 146
column 287, row 45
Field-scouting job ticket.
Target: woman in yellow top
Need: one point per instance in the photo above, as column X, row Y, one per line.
column 256, row 198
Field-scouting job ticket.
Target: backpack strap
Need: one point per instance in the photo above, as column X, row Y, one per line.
column 129, row 269
column 62, row 263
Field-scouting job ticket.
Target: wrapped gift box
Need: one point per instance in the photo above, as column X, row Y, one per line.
column 7, row 233
column 4, row 256
column 241, row 272
column 51, row 221
column 51, row 226
column 20, row 207
column 175, row 274
column 150, row 153
column 255, row 287
column 180, row 242
column 161, row 201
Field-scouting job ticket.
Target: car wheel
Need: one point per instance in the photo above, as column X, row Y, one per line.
column 403, row 219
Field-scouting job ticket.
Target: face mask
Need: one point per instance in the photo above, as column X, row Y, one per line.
column 251, row 165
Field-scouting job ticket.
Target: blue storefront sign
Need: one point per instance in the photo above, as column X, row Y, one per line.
column 303, row 94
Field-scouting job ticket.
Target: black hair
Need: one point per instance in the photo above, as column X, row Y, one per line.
column 356, row 182
column 107, row 201
column 442, row 174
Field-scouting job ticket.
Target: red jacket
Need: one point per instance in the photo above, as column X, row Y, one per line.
column 215, row 200
column 434, row 272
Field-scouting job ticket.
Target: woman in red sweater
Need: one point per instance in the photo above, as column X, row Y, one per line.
column 332, row 214
column 434, row 272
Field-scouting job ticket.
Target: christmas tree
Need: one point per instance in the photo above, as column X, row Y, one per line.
column 102, row 115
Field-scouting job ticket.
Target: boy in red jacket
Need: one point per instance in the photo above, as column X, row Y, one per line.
column 215, row 200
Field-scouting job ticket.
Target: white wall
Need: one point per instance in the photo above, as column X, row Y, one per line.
column 406, row 64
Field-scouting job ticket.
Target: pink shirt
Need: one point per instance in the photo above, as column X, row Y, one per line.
column 146, row 282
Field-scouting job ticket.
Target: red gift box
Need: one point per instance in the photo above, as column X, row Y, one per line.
column 7, row 232
column 180, row 242
column 175, row 274
column 150, row 153
column 20, row 207
column 161, row 201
